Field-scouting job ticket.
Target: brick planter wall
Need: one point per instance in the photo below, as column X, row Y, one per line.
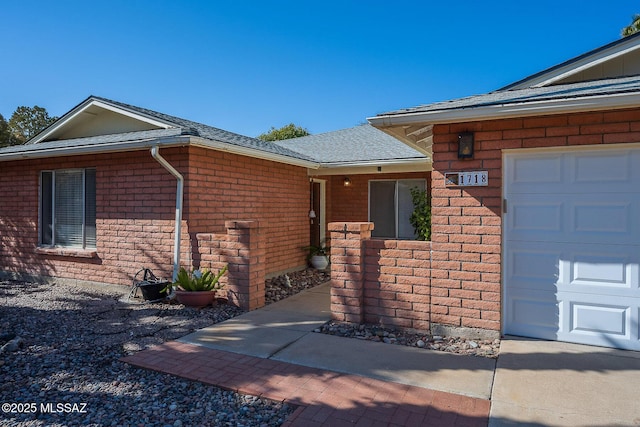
column 384, row 282
column 243, row 250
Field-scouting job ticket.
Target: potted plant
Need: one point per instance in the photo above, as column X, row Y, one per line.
column 318, row 255
column 198, row 288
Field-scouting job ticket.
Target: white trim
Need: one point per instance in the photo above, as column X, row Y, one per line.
column 251, row 152
column 576, row 66
column 572, row 148
column 162, row 142
column 101, row 104
column 510, row 110
column 113, row 147
column 380, row 168
column 131, row 114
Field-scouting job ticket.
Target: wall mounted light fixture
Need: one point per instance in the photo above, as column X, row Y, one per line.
column 346, row 181
column 465, row 145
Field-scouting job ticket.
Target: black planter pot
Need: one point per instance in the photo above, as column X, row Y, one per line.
column 154, row 291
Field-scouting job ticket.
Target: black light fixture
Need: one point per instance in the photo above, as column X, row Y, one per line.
column 346, row 181
column 465, row 145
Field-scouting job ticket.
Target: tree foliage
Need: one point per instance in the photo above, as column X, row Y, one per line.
column 6, row 137
column 421, row 216
column 633, row 27
column 285, row 132
column 26, row 122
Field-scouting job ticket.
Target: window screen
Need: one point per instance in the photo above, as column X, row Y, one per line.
column 391, row 206
column 68, row 208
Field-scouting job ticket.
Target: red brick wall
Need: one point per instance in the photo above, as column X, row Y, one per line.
column 223, row 186
column 463, row 276
column 352, row 203
column 135, row 207
column 135, row 204
column 467, row 223
column 397, row 283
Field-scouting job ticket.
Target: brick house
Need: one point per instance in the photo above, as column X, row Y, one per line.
column 110, row 188
column 535, row 211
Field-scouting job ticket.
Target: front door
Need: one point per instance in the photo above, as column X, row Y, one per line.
column 314, row 239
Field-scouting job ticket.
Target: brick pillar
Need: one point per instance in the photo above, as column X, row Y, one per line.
column 244, row 250
column 347, row 270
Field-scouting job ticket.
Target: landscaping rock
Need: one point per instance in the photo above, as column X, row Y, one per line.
column 67, row 345
column 482, row 348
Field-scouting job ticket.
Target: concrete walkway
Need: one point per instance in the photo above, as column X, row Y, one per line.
column 273, row 352
column 545, row 383
column 284, row 332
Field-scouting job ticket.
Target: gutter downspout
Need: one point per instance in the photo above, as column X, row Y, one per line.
column 155, row 153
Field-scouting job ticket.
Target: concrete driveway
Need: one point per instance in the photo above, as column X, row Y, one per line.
column 559, row 384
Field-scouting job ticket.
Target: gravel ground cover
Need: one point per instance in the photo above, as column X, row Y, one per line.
column 466, row 346
column 59, row 362
column 283, row 286
column 286, row 285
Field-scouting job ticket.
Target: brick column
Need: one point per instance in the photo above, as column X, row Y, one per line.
column 347, row 270
column 244, row 250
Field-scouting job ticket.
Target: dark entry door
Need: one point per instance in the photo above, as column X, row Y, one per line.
column 314, row 239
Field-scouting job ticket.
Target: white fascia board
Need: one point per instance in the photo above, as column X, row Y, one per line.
column 148, row 143
column 505, row 111
column 133, row 115
column 83, row 107
column 252, row 152
column 372, row 168
column 113, row 147
column 576, row 66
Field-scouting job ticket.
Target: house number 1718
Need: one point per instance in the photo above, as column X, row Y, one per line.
column 467, row 179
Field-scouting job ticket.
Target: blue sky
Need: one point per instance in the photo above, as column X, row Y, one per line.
column 245, row 66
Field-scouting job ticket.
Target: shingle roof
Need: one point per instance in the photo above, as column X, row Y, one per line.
column 530, row 95
column 362, row 143
column 210, row 132
column 94, row 140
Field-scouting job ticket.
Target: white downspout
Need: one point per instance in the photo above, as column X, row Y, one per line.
column 155, row 153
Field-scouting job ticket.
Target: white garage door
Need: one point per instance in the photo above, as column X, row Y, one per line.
column 572, row 246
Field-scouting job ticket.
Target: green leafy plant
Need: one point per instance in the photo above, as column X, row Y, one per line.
column 421, row 216
column 199, row 280
column 313, row 250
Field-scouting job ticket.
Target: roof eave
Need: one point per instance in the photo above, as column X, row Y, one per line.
column 374, row 167
column 83, row 106
column 511, row 110
column 124, row 146
column 577, row 64
column 98, row 148
column 252, row 152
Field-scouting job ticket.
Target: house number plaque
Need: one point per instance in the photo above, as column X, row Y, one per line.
column 466, row 179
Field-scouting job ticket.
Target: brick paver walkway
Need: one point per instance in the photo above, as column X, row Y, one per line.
column 324, row 398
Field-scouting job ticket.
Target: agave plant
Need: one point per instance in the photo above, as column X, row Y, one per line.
column 199, row 280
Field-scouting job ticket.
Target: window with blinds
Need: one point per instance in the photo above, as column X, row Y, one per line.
column 391, row 206
column 68, row 208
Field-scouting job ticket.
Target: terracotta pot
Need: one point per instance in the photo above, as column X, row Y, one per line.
column 195, row 299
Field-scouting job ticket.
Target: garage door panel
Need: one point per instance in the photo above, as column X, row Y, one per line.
column 590, row 319
column 572, row 246
column 604, row 218
column 599, row 171
column 611, row 273
column 591, row 219
column 535, row 215
column 533, row 267
column 532, row 313
column 597, row 168
column 527, row 172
